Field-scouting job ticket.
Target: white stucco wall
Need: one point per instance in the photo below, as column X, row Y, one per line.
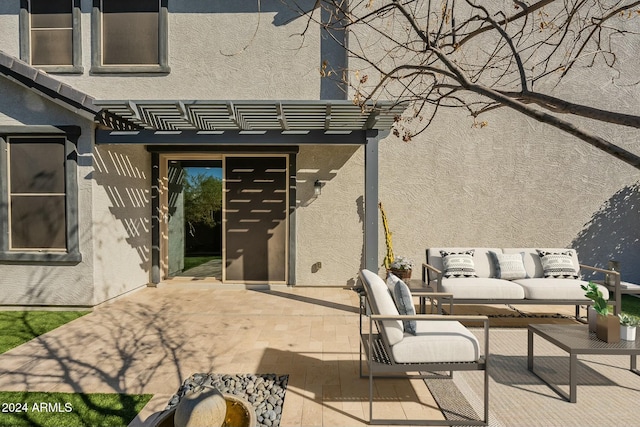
column 217, row 50
column 121, row 226
column 50, row 283
column 329, row 227
column 515, row 182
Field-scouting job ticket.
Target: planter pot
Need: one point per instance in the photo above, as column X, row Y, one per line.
column 608, row 328
column 401, row 274
column 592, row 316
column 628, row 333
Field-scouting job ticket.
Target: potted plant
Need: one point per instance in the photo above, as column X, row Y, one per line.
column 607, row 325
column 628, row 324
column 401, row 267
column 591, row 292
column 398, row 265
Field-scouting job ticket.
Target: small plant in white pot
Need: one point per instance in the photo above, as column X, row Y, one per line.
column 628, row 325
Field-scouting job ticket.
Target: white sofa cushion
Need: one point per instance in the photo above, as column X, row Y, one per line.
column 404, row 301
column 482, row 288
column 384, row 305
column 509, row 266
column 532, row 262
column 481, row 260
column 437, row 341
column 555, row 289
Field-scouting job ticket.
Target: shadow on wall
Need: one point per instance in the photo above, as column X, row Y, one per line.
column 333, row 56
column 127, row 186
column 614, row 234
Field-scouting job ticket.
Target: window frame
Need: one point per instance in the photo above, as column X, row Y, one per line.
column 72, row 254
column 97, row 67
column 76, row 37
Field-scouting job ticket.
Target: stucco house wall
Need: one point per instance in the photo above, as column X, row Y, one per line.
column 514, row 182
column 121, row 221
column 50, row 283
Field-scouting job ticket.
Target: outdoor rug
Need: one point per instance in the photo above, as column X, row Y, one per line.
column 608, row 393
column 515, row 316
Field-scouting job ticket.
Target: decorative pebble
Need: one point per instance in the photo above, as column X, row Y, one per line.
column 265, row 392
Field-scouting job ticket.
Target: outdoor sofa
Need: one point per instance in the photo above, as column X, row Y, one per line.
column 426, row 345
column 509, row 275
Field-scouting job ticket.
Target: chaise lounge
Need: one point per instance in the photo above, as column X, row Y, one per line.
column 423, row 344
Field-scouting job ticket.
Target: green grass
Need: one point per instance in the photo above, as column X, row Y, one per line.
column 29, row 409
column 631, row 305
column 18, row 327
column 194, row 261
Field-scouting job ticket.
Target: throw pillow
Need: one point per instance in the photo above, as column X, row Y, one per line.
column 558, row 264
column 458, row 264
column 404, row 301
column 509, row 266
column 405, row 305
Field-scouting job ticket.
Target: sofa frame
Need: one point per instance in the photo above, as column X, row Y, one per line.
column 578, row 303
column 380, row 363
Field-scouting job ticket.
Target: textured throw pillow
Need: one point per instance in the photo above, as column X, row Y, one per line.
column 509, row 266
column 405, row 305
column 404, row 302
column 558, row 265
column 458, row 264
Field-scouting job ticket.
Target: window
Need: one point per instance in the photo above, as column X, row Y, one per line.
column 130, row 36
column 38, row 196
column 50, row 35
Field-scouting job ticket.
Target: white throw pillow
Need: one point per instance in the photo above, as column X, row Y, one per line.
column 509, row 266
column 558, row 265
column 458, row 264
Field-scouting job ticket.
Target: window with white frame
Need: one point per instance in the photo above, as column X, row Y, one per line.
column 39, row 196
column 130, row 36
column 50, row 35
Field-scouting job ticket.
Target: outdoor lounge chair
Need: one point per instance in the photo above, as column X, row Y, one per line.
column 441, row 343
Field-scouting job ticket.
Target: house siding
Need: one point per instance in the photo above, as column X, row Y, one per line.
column 45, row 283
column 512, row 183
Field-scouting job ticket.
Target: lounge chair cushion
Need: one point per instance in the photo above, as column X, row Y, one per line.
column 482, row 288
column 404, row 301
column 555, row 289
column 381, row 297
column 437, row 341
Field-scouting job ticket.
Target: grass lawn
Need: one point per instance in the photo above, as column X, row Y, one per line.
column 18, row 327
column 194, row 261
column 69, row 409
column 631, row 305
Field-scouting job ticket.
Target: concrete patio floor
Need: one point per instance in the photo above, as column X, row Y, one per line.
column 153, row 339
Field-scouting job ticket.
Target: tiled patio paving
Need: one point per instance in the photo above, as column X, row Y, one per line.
column 151, row 340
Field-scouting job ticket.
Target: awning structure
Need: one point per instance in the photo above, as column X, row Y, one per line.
column 217, row 117
column 183, row 125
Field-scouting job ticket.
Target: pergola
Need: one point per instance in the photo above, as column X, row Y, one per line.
column 189, row 125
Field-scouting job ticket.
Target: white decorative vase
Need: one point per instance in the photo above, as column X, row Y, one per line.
column 628, row 333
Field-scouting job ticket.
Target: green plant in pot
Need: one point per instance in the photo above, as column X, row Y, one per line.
column 607, row 325
column 628, row 325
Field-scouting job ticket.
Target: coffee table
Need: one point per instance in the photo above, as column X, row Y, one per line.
column 575, row 340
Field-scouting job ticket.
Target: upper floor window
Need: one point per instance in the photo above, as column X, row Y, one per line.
column 130, row 36
column 38, row 193
column 50, row 34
